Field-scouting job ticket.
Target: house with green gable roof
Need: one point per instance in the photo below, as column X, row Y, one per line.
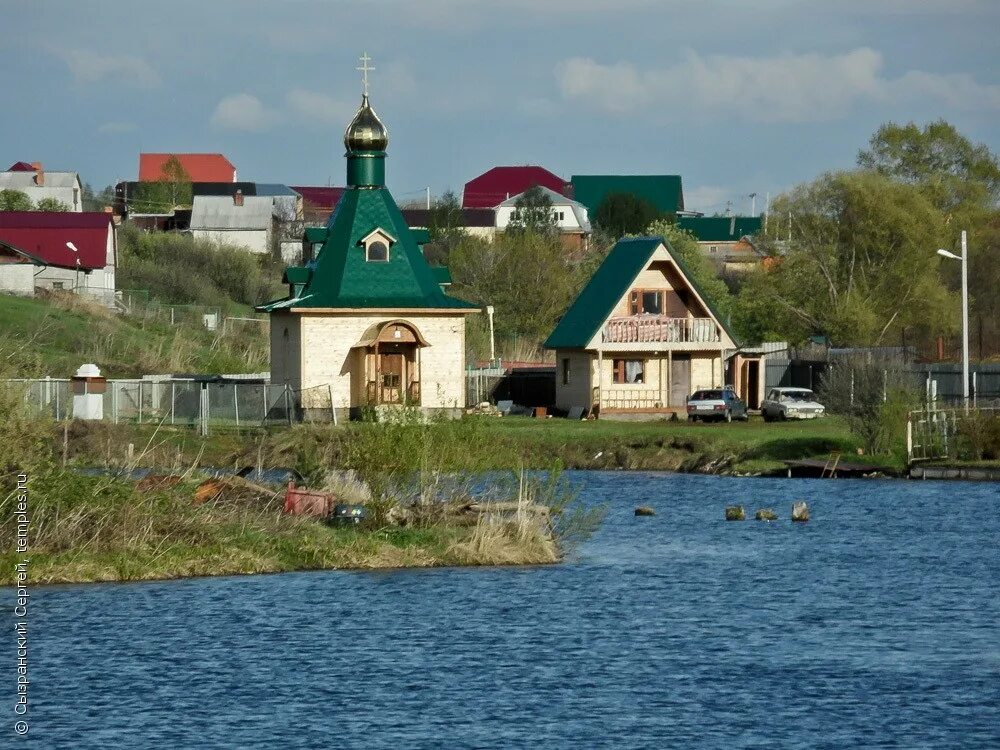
column 366, row 321
column 640, row 337
column 729, row 241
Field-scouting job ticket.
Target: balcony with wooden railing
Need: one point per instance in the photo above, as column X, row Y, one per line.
column 660, row 329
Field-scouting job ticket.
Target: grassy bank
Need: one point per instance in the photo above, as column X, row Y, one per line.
column 86, row 529
column 483, row 443
column 55, row 334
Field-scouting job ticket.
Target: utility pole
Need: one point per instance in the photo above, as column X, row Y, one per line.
column 767, row 208
column 729, row 208
column 753, row 204
column 428, row 197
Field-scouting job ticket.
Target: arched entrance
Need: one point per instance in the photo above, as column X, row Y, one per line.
column 391, row 354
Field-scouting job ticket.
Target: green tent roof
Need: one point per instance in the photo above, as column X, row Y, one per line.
column 442, row 274
column 608, row 285
column 341, row 277
column 720, row 228
column 663, row 191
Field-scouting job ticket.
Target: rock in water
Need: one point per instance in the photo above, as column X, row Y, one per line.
column 766, row 514
column 800, row 512
column 735, row 513
column 645, row 510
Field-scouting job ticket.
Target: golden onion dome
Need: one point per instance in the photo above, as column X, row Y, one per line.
column 366, row 132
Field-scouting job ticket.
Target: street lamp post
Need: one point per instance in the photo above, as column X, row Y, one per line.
column 964, row 257
column 76, row 277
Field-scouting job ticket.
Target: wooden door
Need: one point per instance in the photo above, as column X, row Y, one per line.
column 680, row 379
column 393, row 375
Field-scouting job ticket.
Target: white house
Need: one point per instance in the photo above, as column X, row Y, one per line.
column 240, row 221
column 37, row 184
column 569, row 216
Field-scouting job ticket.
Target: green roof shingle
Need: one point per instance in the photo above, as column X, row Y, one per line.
column 341, row 276
column 720, row 228
column 665, row 191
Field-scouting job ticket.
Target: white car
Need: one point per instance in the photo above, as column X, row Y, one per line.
column 791, row 403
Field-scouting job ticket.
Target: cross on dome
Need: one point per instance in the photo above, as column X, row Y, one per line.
column 364, row 68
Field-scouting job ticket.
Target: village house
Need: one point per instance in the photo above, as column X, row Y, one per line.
column 38, row 184
column 569, row 217
column 366, row 323
column 728, row 241
column 75, row 251
column 664, row 192
column 238, row 221
column 639, row 338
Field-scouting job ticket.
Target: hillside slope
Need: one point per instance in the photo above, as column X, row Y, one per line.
column 56, row 333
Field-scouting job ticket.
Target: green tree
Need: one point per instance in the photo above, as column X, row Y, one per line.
column 53, row 205
column 524, row 275
column 15, row 200
column 446, row 226
column 171, row 189
column 859, row 262
column 620, row 214
column 948, row 166
column 533, row 212
column 97, row 201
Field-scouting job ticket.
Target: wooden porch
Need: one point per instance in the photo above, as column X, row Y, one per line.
column 661, row 329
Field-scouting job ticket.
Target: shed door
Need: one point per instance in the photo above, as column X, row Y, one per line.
column 680, row 379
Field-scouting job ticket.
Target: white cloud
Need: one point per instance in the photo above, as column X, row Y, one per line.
column 243, row 112
column 117, row 127
column 93, row 67
column 320, row 109
column 787, row 88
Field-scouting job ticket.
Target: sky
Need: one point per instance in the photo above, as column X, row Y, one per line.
column 736, row 96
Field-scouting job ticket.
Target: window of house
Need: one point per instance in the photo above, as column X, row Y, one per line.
column 378, row 251
column 649, row 301
column 565, row 372
column 713, row 248
column 58, row 285
column 560, row 215
column 629, row 371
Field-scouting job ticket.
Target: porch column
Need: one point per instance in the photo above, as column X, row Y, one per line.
column 600, row 379
column 670, row 377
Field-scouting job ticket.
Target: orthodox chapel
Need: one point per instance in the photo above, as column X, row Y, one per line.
column 366, row 322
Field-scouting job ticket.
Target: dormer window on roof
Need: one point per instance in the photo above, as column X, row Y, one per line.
column 376, row 244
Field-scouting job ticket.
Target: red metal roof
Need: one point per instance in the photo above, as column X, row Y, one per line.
column 319, row 197
column 492, row 188
column 199, row 167
column 44, row 234
column 21, row 166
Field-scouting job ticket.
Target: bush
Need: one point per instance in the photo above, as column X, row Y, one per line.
column 979, row 436
column 178, row 269
column 873, row 397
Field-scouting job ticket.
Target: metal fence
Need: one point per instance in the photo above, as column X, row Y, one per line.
column 945, row 433
column 197, row 404
column 941, row 383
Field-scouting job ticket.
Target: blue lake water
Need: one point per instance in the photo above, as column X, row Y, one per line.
column 877, row 624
